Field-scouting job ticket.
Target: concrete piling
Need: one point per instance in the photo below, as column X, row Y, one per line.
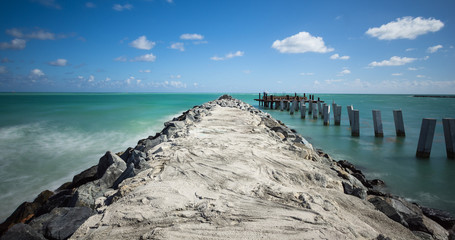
column 315, row 112
column 319, row 108
column 355, row 127
column 350, row 108
column 326, row 114
column 281, row 105
column 310, row 107
column 449, row 135
column 426, row 138
column 337, row 115
column 377, row 123
column 399, row 125
column 302, row 110
column 292, row 108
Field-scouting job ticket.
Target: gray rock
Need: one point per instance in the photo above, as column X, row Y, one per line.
column 84, row 177
column 23, row 232
column 354, row 190
column 61, row 223
column 128, row 173
column 441, row 217
column 137, row 158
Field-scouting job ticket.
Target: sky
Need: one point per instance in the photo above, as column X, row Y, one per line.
column 228, row 46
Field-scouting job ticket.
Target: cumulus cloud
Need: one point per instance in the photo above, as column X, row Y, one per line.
column 191, row 36
column 120, row 59
column 330, row 81
column 37, row 72
column 3, row 70
column 38, row 34
column 145, row 58
column 142, row 43
column 410, row 49
column 412, row 69
column 119, row 7
column 434, row 48
column 397, row 74
column 307, row 74
column 145, row 71
column 178, row 46
column 337, row 56
column 91, row 78
column 59, row 62
column 228, row 56
column 178, row 76
column 344, row 72
column 405, row 28
column 90, row 5
column 15, row 44
column 300, row 43
column 393, row 61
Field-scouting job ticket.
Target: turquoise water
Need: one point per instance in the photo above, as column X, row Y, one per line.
column 47, row 138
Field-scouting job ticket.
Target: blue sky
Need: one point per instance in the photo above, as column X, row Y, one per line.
column 227, row 46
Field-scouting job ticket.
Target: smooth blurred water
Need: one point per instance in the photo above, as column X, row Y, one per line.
column 46, row 138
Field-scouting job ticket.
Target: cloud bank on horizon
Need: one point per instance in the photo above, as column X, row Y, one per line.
column 174, row 45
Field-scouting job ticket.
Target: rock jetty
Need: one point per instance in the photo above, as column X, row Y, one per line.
column 223, row 170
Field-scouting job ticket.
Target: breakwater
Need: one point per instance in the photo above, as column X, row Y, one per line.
column 200, row 172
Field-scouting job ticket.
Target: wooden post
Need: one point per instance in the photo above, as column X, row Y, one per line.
column 355, row 127
column 350, row 108
column 315, row 113
column 377, row 122
column 399, row 125
column 319, row 108
column 334, row 109
column 302, row 110
column 337, row 115
column 288, row 105
column 426, row 138
column 326, row 114
column 449, row 135
column 292, row 108
column 281, row 105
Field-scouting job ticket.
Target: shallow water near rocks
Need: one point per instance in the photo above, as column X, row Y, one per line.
column 46, row 138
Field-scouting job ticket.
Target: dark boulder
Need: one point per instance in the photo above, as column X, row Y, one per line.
column 23, row 232
column 128, row 173
column 354, row 190
column 61, row 223
column 85, row 176
column 441, row 217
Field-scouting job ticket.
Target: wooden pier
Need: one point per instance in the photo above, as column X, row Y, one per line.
column 273, row 101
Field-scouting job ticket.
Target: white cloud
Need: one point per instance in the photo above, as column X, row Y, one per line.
column 397, row 74
column 59, row 62
column 107, row 79
column 425, row 58
column 90, row 5
column 177, row 84
column 178, row 46
column 410, row 49
column 142, row 43
column 406, row 28
column 36, row 72
column 434, row 48
column 300, row 43
column 307, row 74
column 228, row 56
column 393, row 61
column 337, row 56
column 3, row 70
column 191, row 36
column 120, row 59
column 421, row 76
column 195, row 84
column 330, row 81
column 344, row 72
column 38, row 34
column 145, row 58
column 178, row 76
column 145, row 71
column 16, row 44
column 119, row 7
column 91, row 78
column 412, row 69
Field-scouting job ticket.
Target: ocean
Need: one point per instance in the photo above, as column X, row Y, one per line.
column 47, row 138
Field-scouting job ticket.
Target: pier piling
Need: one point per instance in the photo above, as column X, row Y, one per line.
column 449, row 134
column 315, row 113
column 355, row 127
column 292, row 108
column 337, row 113
column 302, row 110
column 350, row 108
column 319, row 108
column 326, row 114
column 281, row 105
column 377, row 122
column 310, row 107
column 399, row 125
column 426, row 138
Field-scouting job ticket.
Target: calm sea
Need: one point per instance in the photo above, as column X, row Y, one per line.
column 46, row 138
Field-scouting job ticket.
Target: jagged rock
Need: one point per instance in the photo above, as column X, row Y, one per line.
column 25, row 211
column 137, row 158
column 225, row 97
column 129, row 172
column 354, row 190
column 349, row 166
column 60, row 199
column 87, row 193
column 61, row 223
column 23, row 232
column 85, row 176
column 439, row 216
